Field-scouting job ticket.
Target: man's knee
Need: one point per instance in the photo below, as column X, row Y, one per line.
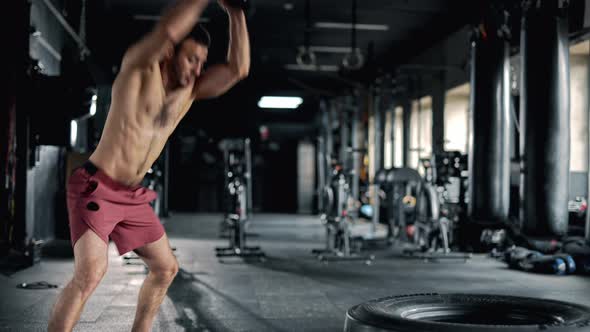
column 87, row 279
column 166, row 274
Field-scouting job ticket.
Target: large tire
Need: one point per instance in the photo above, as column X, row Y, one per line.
column 466, row 313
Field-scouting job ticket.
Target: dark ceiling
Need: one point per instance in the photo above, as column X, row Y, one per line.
column 403, row 29
column 277, row 30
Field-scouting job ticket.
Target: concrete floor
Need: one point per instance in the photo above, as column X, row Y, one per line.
column 290, row 291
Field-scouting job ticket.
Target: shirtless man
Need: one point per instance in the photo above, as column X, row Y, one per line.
column 160, row 77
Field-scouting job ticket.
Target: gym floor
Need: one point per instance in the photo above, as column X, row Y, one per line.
column 290, row 291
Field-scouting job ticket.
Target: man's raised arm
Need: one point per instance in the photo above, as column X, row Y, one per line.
column 175, row 24
column 221, row 77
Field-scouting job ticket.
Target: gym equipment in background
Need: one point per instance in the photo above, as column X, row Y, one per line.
column 337, row 219
column 379, row 202
column 523, row 259
column 153, row 181
column 383, row 204
column 579, row 249
column 354, row 60
column 338, row 182
column 447, row 172
column 238, row 193
column 416, row 218
column 577, row 209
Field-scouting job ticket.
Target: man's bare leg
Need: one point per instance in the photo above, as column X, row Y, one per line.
column 90, row 265
column 163, row 267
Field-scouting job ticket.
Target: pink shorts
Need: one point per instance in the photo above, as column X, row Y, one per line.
column 110, row 209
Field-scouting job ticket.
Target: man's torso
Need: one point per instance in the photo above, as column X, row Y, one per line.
column 140, row 120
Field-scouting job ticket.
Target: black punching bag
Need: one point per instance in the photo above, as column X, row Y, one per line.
column 545, row 110
column 489, row 148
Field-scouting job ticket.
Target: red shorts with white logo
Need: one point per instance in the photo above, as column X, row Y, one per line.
column 110, row 209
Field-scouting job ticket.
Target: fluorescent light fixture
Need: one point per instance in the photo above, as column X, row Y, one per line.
column 294, row 66
column 140, row 17
column 73, row 132
column 341, row 25
column 279, row 102
column 93, row 105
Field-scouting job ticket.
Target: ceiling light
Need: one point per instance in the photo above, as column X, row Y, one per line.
column 341, row 25
column 288, row 6
column 73, row 132
column 279, row 102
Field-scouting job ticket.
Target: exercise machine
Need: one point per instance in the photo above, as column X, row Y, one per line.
column 337, row 219
column 417, row 219
column 237, row 192
column 338, row 184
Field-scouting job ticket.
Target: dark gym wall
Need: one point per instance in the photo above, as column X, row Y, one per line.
column 42, row 176
column 276, row 175
column 196, row 181
column 13, row 174
column 193, row 170
column 42, row 194
column 102, row 110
